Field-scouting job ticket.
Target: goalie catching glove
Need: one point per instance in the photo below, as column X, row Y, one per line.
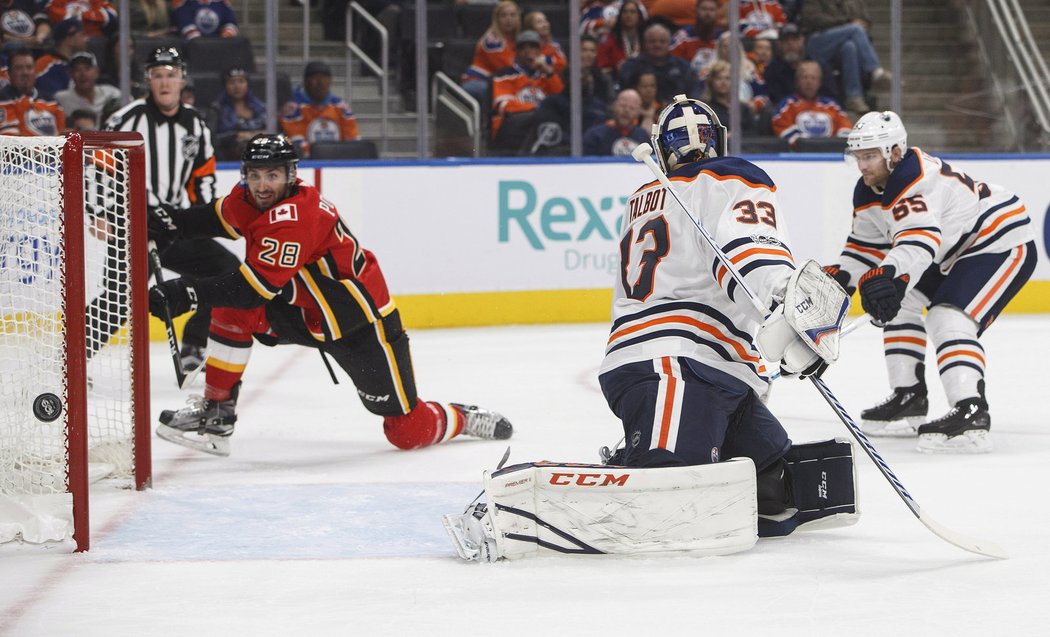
column 802, row 333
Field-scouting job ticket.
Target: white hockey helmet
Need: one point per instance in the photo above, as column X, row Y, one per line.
column 687, row 129
column 882, row 130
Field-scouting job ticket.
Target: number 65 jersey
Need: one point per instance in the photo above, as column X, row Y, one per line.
column 673, row 296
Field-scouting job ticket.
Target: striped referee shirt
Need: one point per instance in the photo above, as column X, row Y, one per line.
column 180, row 159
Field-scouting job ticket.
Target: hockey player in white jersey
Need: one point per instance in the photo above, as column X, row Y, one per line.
column 928, row 237
column 705, row 466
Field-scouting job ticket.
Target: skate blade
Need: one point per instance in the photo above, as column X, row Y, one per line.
column 903, row 428
column 976, row 441
column 208, row 443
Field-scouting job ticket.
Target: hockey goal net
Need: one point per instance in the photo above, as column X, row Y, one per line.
column 74, row 331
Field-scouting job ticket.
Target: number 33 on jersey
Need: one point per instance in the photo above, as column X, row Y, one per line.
column 673, row 295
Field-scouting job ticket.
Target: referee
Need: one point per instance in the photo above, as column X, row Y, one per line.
column 180, row 172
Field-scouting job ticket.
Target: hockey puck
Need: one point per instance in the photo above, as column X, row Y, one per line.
column 47, row 407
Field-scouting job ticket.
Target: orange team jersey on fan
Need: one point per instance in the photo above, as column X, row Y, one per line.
column 514, row 90
column 820, row 117
column 698, row 52
column 98, row 16
column 302, row 250
column 29, row 117
column 305, row 122
column 493, row 53
column 554, row 56
column 757, row 16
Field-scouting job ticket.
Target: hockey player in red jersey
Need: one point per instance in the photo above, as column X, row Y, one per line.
column 307, row 281
column 928, row 237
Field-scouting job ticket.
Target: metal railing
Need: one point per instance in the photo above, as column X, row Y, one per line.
column 448, row 93
column 1022, row 50
column 382, row 70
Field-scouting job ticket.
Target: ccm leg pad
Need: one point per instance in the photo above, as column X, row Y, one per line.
column 822, row 483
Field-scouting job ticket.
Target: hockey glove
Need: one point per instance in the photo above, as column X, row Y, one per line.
column 160, row 224
column 881, row 294
column 841, row 277
column 176, row 296
column 778, row 341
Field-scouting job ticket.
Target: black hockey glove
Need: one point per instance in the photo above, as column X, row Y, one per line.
column 160, row 224
column 841, row 277
column 881, row 294
column 176, row 296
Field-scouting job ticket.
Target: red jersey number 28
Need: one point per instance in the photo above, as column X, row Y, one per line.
column 284, row 254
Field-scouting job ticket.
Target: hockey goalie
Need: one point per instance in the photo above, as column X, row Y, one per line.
column 705, row 466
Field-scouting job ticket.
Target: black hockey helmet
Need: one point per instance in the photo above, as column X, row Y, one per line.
column 166, row 56
column 268, row 150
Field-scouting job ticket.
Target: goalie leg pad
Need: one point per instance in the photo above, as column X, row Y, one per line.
column 581, row 509
column 822, row 482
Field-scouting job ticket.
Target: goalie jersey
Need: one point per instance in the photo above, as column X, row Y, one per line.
column 930, row 214
column 673, row 296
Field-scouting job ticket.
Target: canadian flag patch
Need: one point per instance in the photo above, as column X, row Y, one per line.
column 286, row 212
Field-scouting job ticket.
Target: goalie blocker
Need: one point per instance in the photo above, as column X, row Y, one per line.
column 585, row 509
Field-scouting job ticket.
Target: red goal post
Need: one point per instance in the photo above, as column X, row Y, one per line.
column 74, row 330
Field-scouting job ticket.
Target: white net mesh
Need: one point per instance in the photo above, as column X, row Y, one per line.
column 33, row 277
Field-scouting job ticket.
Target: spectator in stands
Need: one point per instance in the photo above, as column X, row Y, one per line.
column 204, row 18
column 837, row 36
column 23, row 22
column 553, row 116
column 761, row 53
column 23, row 111
column 596, row 83
column 623, row 41
column 651, row 105
column 516, row 92
column 52, row 68
column 807, row 114
column 83, row 120
column 619, row 135
column 760, row 18
column 188, row 93
column 149, row 18
column 717, row 95
column 537, row 21
column 751, row 88
column 597, row 18
column 85, row 93
column 697, row 43
column 779, row 74
column 238, row 115
column 673, row 76
column 495, row 50
column 315, row 114
column 98, row 16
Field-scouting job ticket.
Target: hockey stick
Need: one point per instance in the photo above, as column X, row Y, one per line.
column 169, row 325
column 643, row 153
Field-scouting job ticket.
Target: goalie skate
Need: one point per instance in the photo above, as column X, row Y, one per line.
column 483, row 423
column 204, row 425
column 471, row 534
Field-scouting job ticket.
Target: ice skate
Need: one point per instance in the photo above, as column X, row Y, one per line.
column 899, row 414
column 205, row 425
column 964, row 429
column 485, row 424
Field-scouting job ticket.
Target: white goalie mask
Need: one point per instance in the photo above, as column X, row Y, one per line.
column 687, row 129
column 882, row 130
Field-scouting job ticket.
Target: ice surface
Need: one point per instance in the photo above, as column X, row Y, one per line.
column 316, row 525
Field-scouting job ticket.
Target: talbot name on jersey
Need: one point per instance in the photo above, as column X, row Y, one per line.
column 589, row 479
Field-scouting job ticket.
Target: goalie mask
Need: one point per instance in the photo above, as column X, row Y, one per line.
column 267, row 151
column 882, row 131
column 687, row 130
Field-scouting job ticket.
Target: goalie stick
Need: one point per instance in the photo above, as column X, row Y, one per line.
column 169, row 325
column 643, row 153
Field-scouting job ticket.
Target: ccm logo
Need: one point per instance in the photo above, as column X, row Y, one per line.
column 589, row 479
